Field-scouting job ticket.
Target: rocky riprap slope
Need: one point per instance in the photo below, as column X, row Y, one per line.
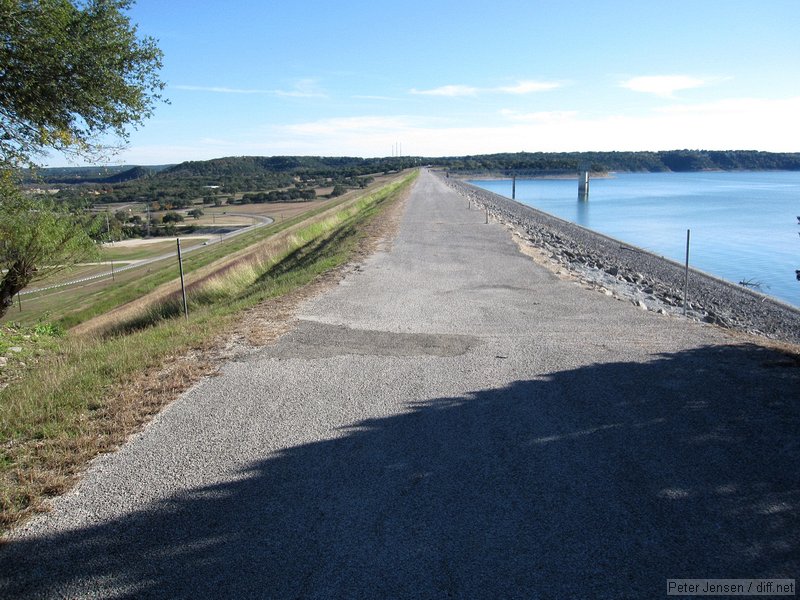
column 647, row 280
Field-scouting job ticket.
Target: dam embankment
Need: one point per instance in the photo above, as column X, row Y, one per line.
column 630, row 273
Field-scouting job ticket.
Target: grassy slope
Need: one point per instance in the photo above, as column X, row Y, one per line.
column 92, row 391
column 77, row 304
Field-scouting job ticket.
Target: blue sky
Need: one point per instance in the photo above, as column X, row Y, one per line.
column 248, row 77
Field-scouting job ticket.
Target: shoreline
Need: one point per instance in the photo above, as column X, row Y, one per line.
column 648, row 281
column 501, row 177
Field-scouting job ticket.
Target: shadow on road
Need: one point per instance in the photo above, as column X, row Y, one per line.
column 598, row 482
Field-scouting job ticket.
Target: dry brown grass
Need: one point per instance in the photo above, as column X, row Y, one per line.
column 47, row 466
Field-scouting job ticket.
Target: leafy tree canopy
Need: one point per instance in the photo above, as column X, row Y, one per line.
column 70, row 73
column 37, row 239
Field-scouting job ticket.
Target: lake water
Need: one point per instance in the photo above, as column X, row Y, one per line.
column 743, row 225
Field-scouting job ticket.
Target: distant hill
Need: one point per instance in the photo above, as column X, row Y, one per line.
column 258, row 172
column 248, row 166
column 530, row 162
column 129, row 175
column 74, row 175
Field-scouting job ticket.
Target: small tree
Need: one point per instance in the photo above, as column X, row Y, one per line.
column 338, row 190
column 172, row 217
column 196, row 213
column 37, row 239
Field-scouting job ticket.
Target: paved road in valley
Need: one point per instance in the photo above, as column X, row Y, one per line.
column 451, row 421
column 214, row 238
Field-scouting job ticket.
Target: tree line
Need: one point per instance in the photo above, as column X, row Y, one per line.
column 672, row 160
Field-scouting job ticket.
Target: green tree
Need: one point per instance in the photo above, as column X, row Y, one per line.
column 338, row 190
column 72, row 73
column 37, row 238
column 172, row 217
column 196, row 213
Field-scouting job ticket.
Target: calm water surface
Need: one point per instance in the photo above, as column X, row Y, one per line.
column 744, row 225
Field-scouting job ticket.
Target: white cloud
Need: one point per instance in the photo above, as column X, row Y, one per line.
column 739, row 123
column 348, row 125
column 521, row 87
column 761, row 124
column 528, row 87
column 539, row 117
column 219, row 90
column 730, row 106
column 663, row 85
column 448, row 90
column 305, row 88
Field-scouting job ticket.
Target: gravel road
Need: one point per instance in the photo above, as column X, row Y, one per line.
column 451, row 421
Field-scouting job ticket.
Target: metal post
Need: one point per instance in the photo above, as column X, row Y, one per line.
column 514, row 188
column 112, row 270
column 183, row 284
column 686, row 279
column 487, row 216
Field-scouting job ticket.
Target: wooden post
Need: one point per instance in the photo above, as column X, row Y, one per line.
column 183, row 283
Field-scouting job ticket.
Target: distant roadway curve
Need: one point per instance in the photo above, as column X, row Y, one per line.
column 135, row 264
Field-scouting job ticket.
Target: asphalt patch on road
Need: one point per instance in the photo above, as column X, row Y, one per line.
column 313, row 340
